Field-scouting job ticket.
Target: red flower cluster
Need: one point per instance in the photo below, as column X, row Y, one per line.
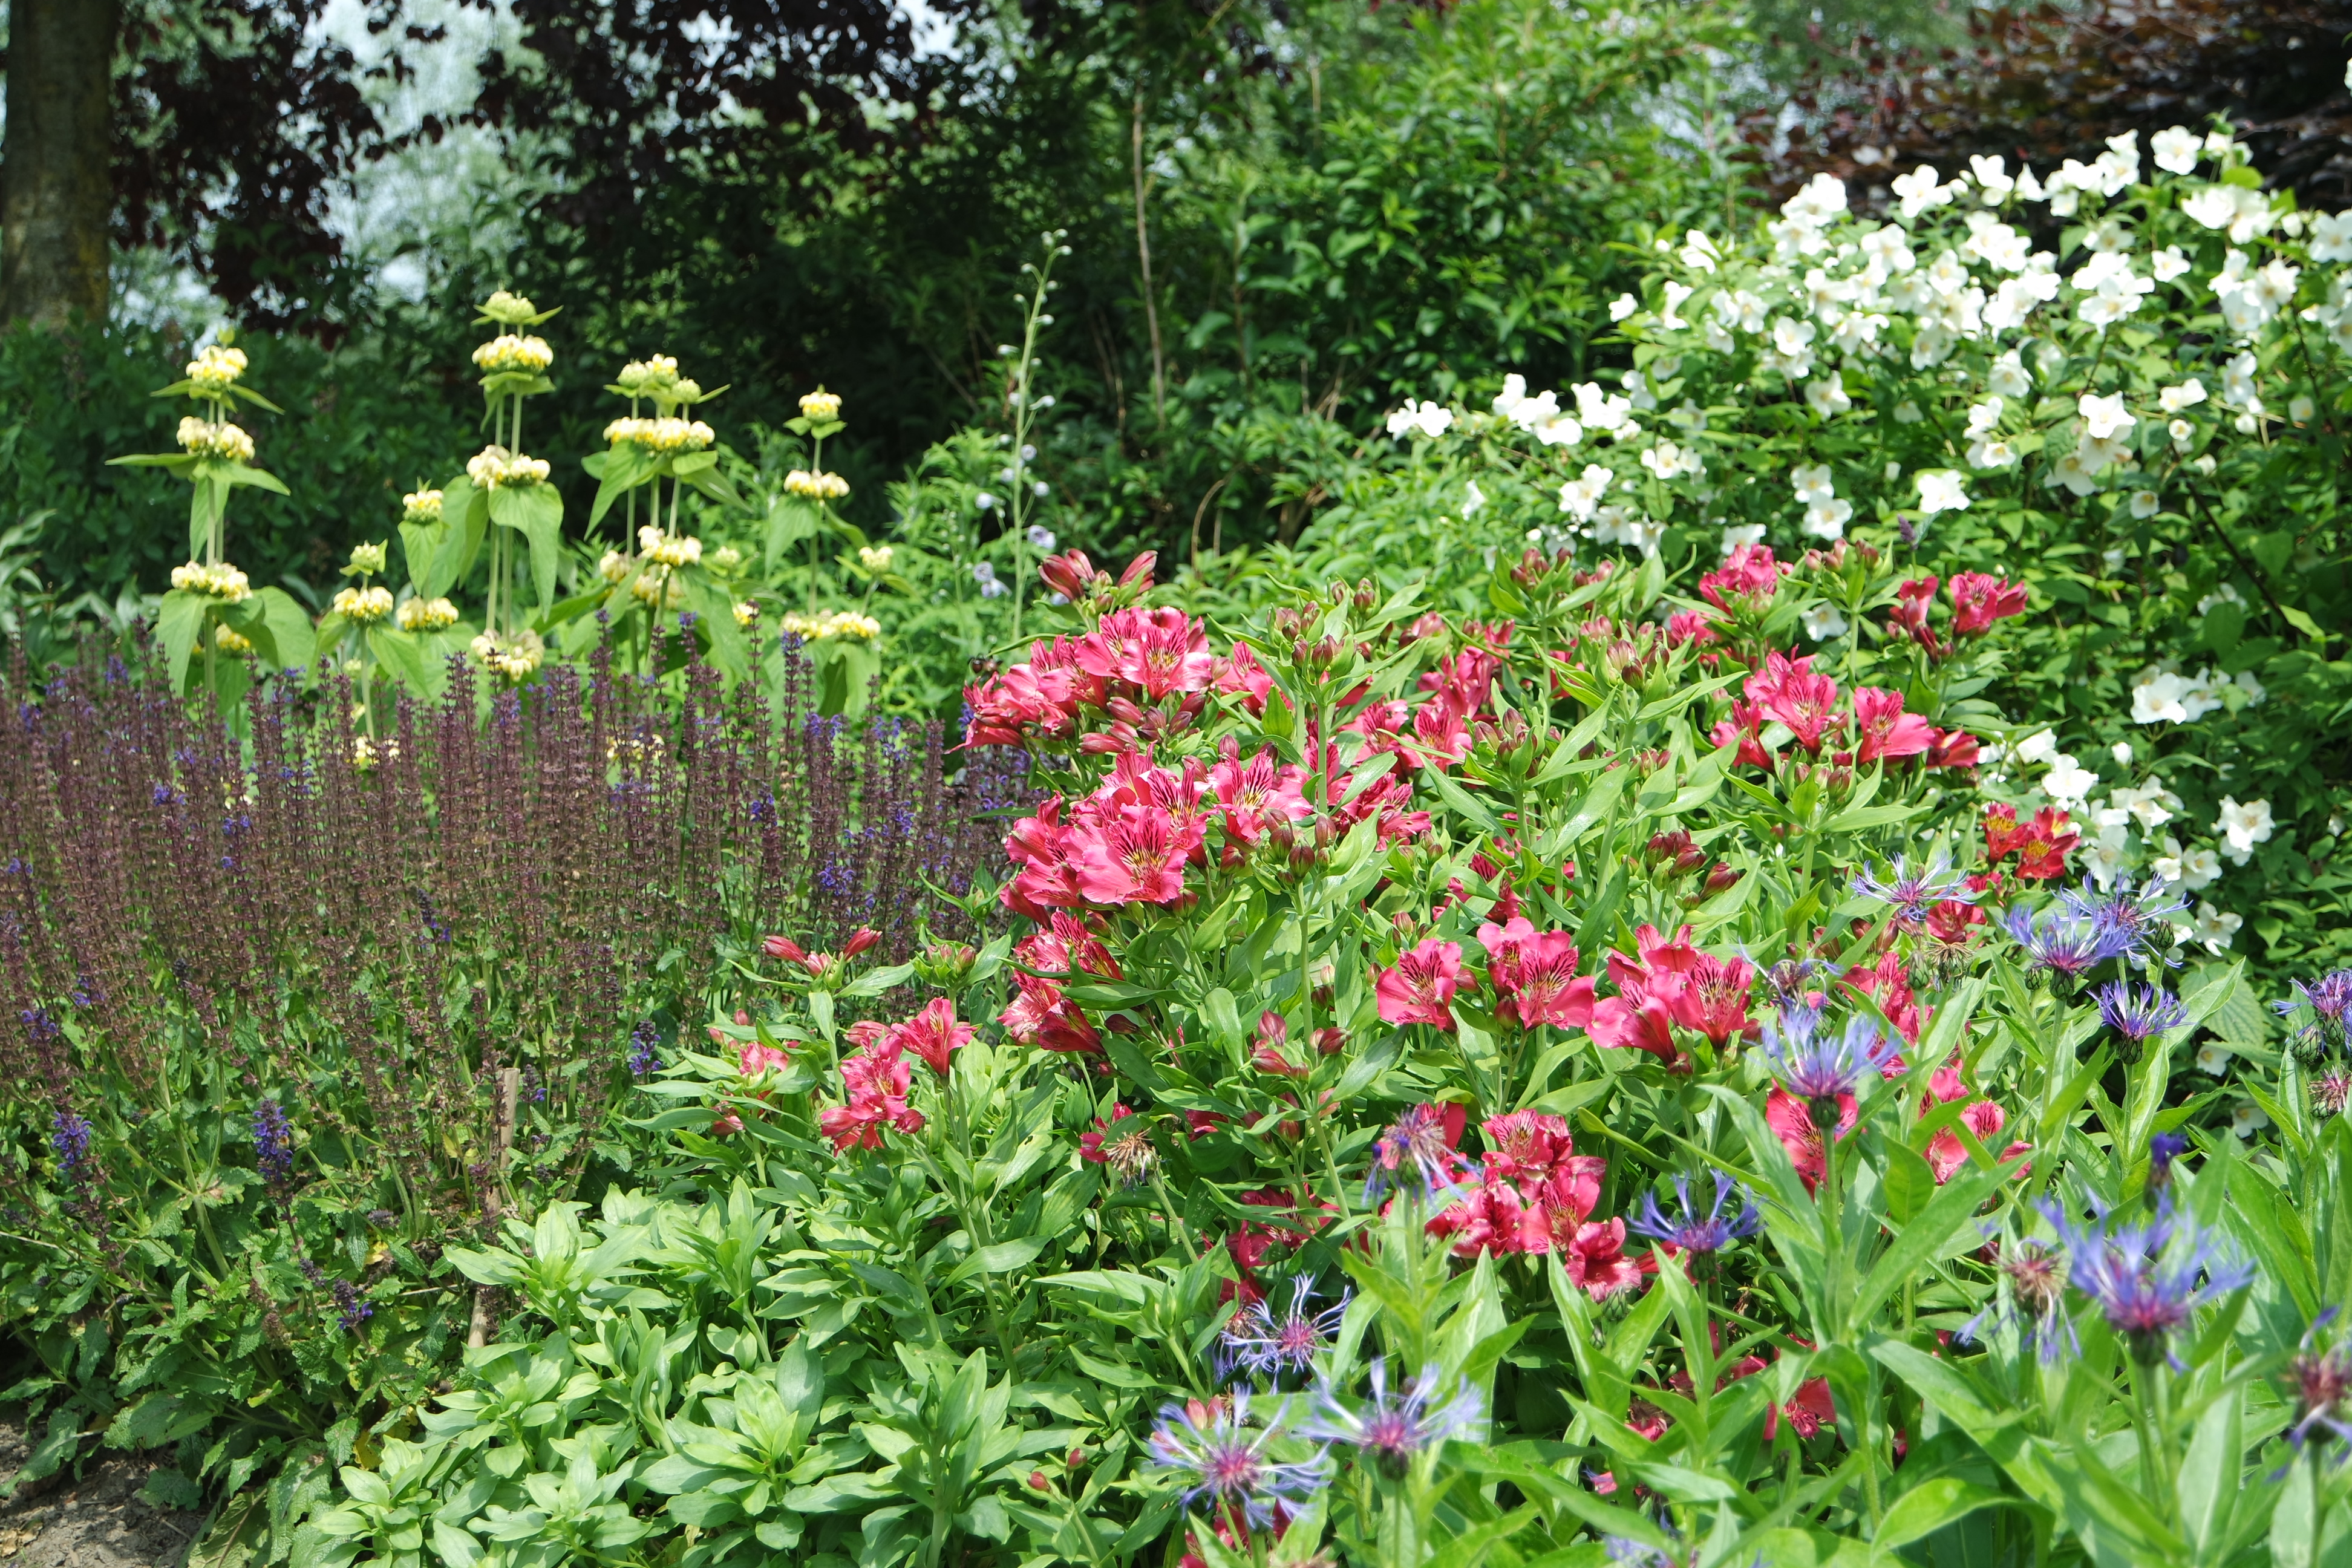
column 1985, row 1117
column 1979, row 599
column 820, row 964
column 1536, row 1195
column 1040, row 1015
column 1672, row 983
column 1137, row 676
column 2040, row 845
column 1744, row 581
column 876, row 1080
column 1872, row 727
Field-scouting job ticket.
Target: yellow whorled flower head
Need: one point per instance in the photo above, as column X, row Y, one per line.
column 660, row 589
column 509, row 310
column 223, row 582
column 210, row 439
column 231, row 642
column 366, row 753
column 364, row 606
column 726, row 560
column 615, row 567
column 495, row 468
column 747, row 613
column 845, row 624
column 875, row 558
column 667, row 549
column 215, row 369
column 367, row 558
column 821, row 405
column 426, row 615
column 421, row 506
column 509, row 352
column 664, row 434
column 515, row 656
column 816, row 487
column 651, row 376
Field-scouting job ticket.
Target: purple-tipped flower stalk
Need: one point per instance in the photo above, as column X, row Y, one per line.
column 1821, row 1071
column 1226, row 1461
column 273, row 1144
column 1413, row 1152
column 1391, row 1429
column 1911, row 894
column 2147, row 1279
column 2141, row 920
column 69, row 1136
column 1258, row 1342
column 2137, row 1015
column 2331, row 1090
column 2063, row 947
column 2329, row 998
column 1691, row 1231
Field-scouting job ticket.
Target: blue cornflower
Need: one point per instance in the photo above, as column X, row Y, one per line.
column 1418, row 1141
column 2063, row 945
column 2323, row 1387
column 2033, row 1281
column 2137, row 1015
column 273, row 1142
column 2329, row 998
column 1688, row 1229
column 1226, row 1461
column 69, row 1136
column 2141, row 920
column 1822, row 1072
column 2147, row 1278
column 1911, row 894
column 1390, row 1429
column 1258, row 1342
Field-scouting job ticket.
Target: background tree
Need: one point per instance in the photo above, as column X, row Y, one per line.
column 55, row 196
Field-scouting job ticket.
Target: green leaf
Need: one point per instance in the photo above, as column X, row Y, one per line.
column 535, row 512
column 1949, row 1213
column 180, row 623
column 290, row 640
column 1926, row 1509
column 398, row 652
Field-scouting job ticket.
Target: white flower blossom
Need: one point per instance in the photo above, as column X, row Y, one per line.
column 2103, row 417
column 2168, row 263
column 2007, row 376
column 2331, row 237
column 1813, row 483
column 1940, row 490
column 2176, row 150
column 1578, row 496
column 2238, row 384
column 1826, row 395
column 1921, row 189
column 2145, row 503
column 1740, row 533
column 1824, row 621
column 2244, row 826
column 1617, row 525
column 1992, row 178
column 1827, row 519
column 1431, row 419
column 2068, row 782
column 1699, row 253
column 2217, row 929
column 2188, row 395
column 1622, row 306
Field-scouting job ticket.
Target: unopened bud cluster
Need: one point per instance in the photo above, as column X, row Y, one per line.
column 421, row 506
column 821, row 405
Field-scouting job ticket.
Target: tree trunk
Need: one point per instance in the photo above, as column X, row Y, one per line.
column 56, row 193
